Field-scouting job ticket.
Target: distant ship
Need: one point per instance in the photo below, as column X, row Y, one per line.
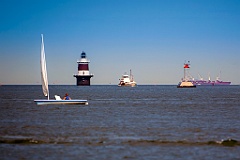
column 127, row 80
column 217, row 82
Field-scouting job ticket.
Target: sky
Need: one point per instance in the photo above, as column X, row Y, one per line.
column 153, row 38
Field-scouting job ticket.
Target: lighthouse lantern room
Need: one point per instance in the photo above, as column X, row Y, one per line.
column 83, row 76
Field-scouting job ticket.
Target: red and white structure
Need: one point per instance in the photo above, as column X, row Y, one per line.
column 186, row 80
column 186, row 71
column 83, row 77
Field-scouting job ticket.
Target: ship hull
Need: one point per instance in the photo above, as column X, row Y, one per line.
column 211, row 83
column 222, row 83
column 127, row 85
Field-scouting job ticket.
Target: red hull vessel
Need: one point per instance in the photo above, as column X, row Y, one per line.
column 210, row 83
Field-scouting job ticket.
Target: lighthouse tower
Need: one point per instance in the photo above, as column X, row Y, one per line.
column 186, row 73
column 83, row 76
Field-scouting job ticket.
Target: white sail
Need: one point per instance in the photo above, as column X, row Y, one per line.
column 44, row 71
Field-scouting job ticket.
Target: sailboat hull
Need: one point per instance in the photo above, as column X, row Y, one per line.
column 64, row 102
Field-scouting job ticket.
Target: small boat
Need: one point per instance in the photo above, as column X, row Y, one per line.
column 127, row 80
column 45, row 89
column 186, row 82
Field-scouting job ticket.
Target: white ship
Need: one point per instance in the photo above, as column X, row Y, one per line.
column 127, row 80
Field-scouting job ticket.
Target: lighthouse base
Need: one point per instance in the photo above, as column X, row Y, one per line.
column 186, row 84
column 83, row 80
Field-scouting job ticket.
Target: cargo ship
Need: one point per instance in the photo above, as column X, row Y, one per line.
column 217, row 82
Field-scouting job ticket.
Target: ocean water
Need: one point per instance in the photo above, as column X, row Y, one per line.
column 143, row 122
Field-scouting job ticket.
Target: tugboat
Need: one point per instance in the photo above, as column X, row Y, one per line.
column 186, row 82
column 127, row 80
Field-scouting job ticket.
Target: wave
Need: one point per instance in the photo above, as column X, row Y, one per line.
column 227, row 142
column 124, row 99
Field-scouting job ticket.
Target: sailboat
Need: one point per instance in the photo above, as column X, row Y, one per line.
column 45, row 89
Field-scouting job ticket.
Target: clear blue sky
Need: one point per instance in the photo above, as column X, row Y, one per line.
column 152, row 37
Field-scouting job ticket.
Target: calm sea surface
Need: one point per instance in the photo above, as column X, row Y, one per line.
column 144, row 122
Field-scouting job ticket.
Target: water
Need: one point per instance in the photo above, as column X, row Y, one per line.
column 144, row 122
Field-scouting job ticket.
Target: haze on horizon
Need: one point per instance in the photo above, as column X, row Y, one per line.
column 153, row 38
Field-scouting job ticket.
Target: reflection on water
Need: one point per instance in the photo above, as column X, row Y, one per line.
column 144, row 122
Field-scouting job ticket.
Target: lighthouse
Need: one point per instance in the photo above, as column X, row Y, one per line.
column 186, row 73
column 186, row 82
column 83, row 77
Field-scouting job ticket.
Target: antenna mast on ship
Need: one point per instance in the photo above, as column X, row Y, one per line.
column 219, row 76
column 131, row 76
